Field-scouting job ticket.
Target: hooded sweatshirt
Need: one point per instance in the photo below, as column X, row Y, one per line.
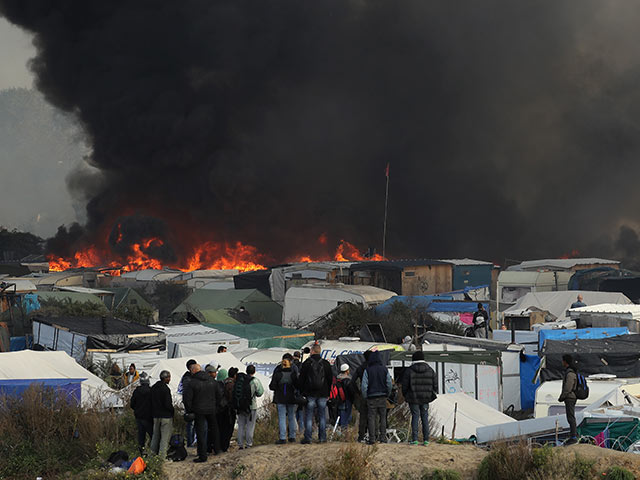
column 376, row 381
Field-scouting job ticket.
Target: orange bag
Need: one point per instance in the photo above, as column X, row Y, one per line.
column 137, row 467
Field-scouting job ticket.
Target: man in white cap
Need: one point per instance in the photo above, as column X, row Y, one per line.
column 344, row 386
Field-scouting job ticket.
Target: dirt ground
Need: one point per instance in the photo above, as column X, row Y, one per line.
column 389, row 461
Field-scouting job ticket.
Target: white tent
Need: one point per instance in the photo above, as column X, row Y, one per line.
column 32, row 365
column 470, row 414
column 557, row 303
column 177, row 367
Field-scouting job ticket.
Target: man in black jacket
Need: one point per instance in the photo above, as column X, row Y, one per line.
column 162, row 410
column 184, row 383
column 201, row 397
column 376, row 388
column 283, row 384
column 316, row 378
column 419, row 387
column 359, row 402
column 141, row 406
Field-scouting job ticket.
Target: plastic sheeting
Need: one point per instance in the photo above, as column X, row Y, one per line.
column 585, row 333
column 529, row 365
column 264, row 335
column 70, row 387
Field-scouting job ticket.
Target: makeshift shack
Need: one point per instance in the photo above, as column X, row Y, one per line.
column 196, row 339
column 284, row 277
column 78, row 336
column 405, row 277
column 20, row 369
column 229, row 307
column 307, row 303
column 509, row 359
column 607, row 315
column 513, row 285
column 468, row 272
column 583, row 333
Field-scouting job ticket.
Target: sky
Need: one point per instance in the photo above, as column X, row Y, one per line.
column 37, row 187
column 15, row 51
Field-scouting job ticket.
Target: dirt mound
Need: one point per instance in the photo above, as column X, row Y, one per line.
column 388, row 461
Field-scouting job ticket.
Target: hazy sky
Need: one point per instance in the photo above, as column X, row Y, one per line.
column 15, row 50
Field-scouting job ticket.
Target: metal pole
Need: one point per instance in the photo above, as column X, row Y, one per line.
column 384, row 229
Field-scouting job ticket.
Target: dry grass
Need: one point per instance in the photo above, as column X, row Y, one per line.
column 353, row 463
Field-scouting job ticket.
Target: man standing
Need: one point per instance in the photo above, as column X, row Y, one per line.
column 481, row 322
column 419, row 387
column 359, row 401
column 141, row 406
column 578, row 303
column 315, row 383
column 184, row 383
column 568, row 396
column 227, row 417
column 283, row 382
column 162, row 410
column 245, row 392
column 344, row 384
column 201, row 398
column 376, row 387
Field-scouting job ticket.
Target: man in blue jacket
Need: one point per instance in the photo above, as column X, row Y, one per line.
column 376, row 388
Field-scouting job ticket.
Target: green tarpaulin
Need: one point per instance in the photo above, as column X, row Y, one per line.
column 264, row 335
column 620, row 433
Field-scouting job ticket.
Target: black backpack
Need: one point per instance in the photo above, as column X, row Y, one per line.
column 582, row 389
column 316, row 379
column 241, row 399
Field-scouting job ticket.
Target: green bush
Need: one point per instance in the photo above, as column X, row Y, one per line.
column 439, row 474
column 584, row 468
column 619, row 473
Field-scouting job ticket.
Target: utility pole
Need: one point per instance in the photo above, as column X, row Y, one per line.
column 384, row 228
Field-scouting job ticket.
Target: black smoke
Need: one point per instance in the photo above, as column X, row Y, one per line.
column 512, row 128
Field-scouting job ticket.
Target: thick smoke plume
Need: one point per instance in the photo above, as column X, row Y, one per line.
column 511, row 127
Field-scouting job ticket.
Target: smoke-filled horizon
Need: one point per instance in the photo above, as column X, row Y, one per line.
column 511, row 128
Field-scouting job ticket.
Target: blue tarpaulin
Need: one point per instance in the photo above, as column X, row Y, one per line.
column 528, row 367
column 21, row 343
column 70, row 386
column 585, row 333
column 468, row 307
column 31, row 303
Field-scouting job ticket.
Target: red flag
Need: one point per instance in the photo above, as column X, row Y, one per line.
column 386, row 171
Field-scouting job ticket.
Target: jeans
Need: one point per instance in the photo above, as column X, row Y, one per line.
column 145, row 426
column 246, row 427
column 344, row 411
column 312, row 403
column 419, row 412
column 191, row 434
column 300, row 417
column 162, row 429
column 377, row 417
column 285, row 411
column 570, row 409
column 207, row 433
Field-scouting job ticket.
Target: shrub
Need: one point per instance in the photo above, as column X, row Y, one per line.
column 45, row 435
column 353, row 463
column 439, row 474
column 266, row 432
column 619, row 473
column 583, row 468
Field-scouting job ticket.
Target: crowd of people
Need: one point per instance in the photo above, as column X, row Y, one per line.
column 306, row 393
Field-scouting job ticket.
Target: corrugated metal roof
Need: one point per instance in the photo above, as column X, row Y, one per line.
column 465, row 261
column 612, row 308
column 92, row 291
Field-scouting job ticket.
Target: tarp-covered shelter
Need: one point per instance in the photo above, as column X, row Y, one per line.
column 230, row 307
column 194, row 338
column 607, row 315
column 583, row 333
column 284, row 277
column 557, row 304
column 79, row 335
column 255, row 280
column 263, row 335
column 619, row 356
column 54, row 367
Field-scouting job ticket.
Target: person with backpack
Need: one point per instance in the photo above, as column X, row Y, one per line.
column 283, row 383
column 141, row 406
column 245, row 392
column 344, row 394
column 184, row 383
column 359, row 402
column 315, row 382
column 201, row 398
column 568, row 396
column 376, row 387
column 419, row 387
column 163, row 412
column 227, row 416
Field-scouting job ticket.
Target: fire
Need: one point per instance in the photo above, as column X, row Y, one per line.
column 573, row 254
column 208, row 255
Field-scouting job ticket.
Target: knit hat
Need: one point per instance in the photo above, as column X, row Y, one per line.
column 190, row 362
column 222, row 374
column 144, row 378
column 211, row 368
column 344, row 367
column 417, row 356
